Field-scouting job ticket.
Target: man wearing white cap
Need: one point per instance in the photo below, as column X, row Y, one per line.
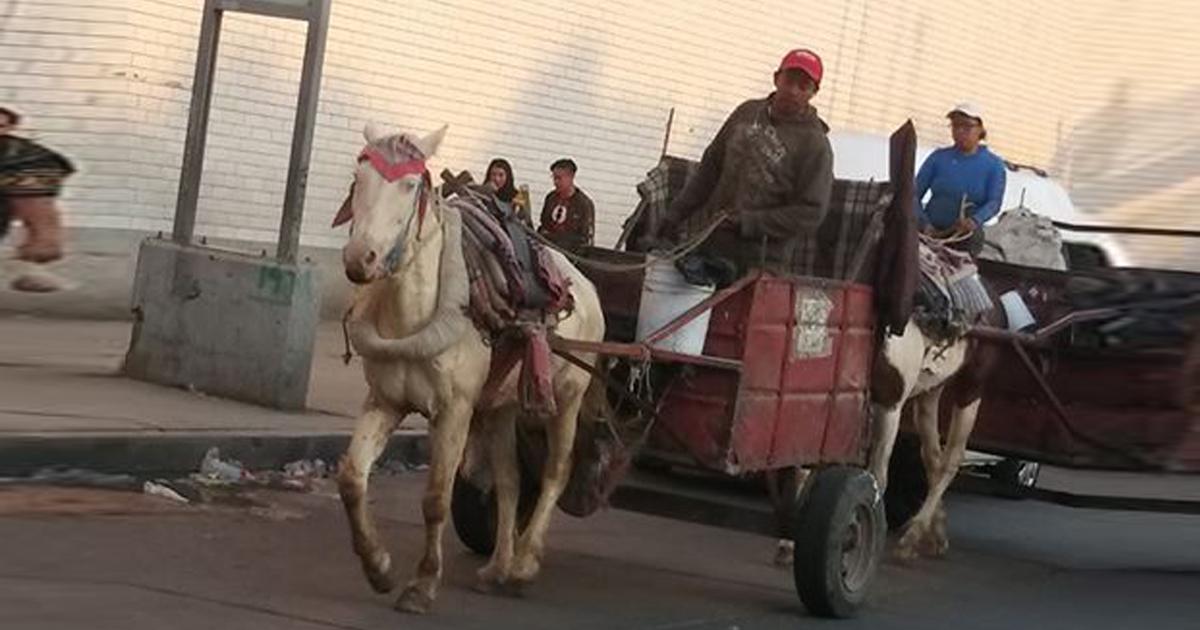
column 965, row 182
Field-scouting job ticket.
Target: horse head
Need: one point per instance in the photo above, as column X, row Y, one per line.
column 387, row 203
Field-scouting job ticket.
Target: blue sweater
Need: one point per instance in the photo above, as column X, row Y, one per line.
column 949, row 175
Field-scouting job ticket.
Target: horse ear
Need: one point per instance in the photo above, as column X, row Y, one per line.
column 429, row 144
column 373, row 133
column 346, row 212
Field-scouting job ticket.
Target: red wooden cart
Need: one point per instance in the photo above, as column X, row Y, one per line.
column 782, row 384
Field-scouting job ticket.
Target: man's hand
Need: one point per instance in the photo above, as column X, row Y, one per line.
column 965, row 226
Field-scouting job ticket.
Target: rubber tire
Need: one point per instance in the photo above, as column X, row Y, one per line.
column 1006, row 474
column 907, row 485
column 473, row 513
column 835, row 494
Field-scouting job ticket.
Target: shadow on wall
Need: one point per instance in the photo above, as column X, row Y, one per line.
column 1132, row 163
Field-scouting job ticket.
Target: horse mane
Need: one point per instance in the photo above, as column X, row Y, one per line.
column 398, row 148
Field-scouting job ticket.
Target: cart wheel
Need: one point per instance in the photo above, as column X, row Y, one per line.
column 907, row 485
column 473, row 512
column 839, row 532
column 1014, row 475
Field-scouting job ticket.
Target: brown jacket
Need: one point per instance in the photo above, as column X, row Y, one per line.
column 774, row 176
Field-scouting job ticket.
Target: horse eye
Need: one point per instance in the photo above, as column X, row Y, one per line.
column 409, row 186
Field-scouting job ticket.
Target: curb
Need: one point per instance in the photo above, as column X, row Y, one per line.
column 180, row 454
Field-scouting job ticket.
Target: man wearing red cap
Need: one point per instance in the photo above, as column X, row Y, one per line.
column 770, row 168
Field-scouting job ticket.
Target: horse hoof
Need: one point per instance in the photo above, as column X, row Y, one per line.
column 912, row 538
column 937, row 548
column 526, row 569
column 492, row 580
column 511, row 588
column 379, row 574
column 785, row 553
column 414, row 600
column 905, row 554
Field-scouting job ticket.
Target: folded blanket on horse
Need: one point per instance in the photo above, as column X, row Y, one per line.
column 950, row 296
column 516, row 295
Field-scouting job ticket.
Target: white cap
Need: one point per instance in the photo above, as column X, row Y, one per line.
column 967, row 109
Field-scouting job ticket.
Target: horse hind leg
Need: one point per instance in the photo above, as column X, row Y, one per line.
column 371, row 434
column 500, row 433
column 560, row 437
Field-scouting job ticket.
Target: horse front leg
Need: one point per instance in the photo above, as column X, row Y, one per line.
column 955, row 450
column 560, row 437
column 883, row 440
column 927, row 428
column 371, row 434
column 448, row 438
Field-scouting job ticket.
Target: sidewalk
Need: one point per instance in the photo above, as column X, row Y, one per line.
column 64, row 402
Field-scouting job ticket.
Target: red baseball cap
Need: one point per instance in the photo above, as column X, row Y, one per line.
column 806, row 60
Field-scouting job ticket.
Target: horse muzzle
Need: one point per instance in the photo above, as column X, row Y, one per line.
column 361, row 262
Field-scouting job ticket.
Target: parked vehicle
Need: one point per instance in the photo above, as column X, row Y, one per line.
column 860, row 156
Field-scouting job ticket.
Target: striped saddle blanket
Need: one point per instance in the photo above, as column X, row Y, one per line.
column 950, row 296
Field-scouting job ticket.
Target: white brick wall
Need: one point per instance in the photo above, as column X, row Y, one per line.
column 530, row 80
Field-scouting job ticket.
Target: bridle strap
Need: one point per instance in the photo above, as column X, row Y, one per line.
column 392, row 260
column 391, row 171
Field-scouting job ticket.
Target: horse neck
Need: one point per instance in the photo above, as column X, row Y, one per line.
column 410, row 295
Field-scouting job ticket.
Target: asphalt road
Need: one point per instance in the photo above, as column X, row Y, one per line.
column 97, row 560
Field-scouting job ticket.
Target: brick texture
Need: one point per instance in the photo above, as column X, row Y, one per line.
column 109, row 84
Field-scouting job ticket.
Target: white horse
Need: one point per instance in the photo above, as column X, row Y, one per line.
column 422, row 354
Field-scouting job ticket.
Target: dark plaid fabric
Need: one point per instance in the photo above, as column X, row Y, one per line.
column 27, row 169
column 662, row 184
column 830, row 252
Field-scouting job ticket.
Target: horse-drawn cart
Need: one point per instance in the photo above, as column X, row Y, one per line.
column 778, row 382
column 1106, row 377
column 782, row 383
